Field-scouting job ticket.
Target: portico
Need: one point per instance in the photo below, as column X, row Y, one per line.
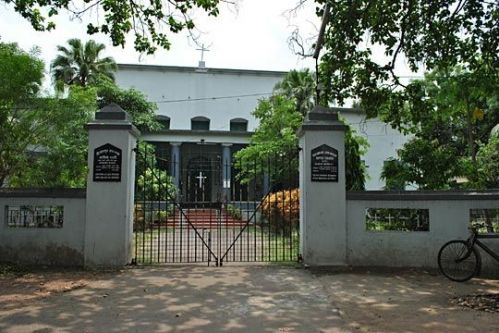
column 200, row 162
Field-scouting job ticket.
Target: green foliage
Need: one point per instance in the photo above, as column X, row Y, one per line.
column 134, row 102
column 275, row 139
column 147, row 20
column 278, row 123
column 21, row 75
column 43, row 142
column 430, row 33
column 80, row 64
column 62, row 161
column 300, row 86
column 355, row 169
column 26, row 121
column 234, row 212
column 488, row 164
column 428, row 164
column 153, row 184
column 450, row 113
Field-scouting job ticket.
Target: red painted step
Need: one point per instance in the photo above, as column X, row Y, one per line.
column 203, row 219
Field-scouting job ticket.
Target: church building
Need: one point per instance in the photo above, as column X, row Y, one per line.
column 206, row 115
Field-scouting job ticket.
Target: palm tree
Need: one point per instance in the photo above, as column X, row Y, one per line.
column 299, row 85
column 79, row 64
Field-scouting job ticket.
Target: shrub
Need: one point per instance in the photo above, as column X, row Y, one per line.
column 148, row 218
column 282, row 206
column 234, row 212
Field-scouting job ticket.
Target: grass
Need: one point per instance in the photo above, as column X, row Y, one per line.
column 270, row 247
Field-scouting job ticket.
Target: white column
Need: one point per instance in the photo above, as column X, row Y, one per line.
column 226, row 170
column 322, row 188
column 175, row 163
column 110, row 189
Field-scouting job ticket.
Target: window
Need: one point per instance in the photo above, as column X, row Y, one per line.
column 485, row 219
column 238, row 125
column 35, row 216
column 397, row 219
column 164, row 121
column 200, row 124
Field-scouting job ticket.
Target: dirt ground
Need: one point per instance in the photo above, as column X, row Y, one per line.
column 240, row 299
column 408, row 301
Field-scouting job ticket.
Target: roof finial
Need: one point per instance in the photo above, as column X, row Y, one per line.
column 202, row 64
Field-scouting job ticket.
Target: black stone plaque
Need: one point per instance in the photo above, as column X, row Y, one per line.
column 324, row 164
column 107, row 163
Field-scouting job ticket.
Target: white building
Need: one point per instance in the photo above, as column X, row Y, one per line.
column 207, row 117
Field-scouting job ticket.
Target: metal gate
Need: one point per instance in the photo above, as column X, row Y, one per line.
column 245, row 213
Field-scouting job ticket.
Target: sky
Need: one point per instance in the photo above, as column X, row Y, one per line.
column 252, row 36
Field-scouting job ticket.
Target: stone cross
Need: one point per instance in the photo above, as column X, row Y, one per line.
column 201, row 178
column 203, row 50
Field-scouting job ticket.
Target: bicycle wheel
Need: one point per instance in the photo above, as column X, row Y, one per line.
column 457, row 262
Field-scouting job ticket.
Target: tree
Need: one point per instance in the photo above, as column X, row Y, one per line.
column 488, row 164
column 280, row 117
column 62, row 157
column 80, row 64
column 450, row 113
column 61, row 160
column 134, row 102
column 274, row 145
column 149, row 21
column 153, row 184
column 43, row 142
column 434, row 34
column 23, row 119
column 38, row 134
column 299, row 85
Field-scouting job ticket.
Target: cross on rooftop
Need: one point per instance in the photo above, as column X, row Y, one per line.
column 203, row 50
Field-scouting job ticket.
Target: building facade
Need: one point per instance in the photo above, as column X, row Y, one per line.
column 206, row 114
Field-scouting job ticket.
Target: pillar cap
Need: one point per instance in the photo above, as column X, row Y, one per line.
column 111, row 112
column 112, row 117
column 321, row 118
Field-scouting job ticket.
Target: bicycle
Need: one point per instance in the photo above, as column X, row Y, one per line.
column 460, row 260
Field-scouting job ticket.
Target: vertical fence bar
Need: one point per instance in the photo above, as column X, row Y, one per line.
column 254, row 210
column 144, row 208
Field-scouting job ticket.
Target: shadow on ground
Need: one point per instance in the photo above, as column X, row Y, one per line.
column 183, row 299
column 407, row 301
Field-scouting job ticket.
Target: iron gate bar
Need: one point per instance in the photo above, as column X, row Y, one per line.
column 225, row 240
column 241, row 231
column 181, row 224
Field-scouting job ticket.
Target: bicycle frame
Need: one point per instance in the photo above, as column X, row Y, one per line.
column 474, row 239
column 485, row 247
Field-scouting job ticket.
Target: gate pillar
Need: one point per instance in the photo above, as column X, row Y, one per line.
column 322, row 189
column 110, row 188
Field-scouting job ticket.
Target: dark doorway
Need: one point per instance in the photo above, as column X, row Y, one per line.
column 199, row 179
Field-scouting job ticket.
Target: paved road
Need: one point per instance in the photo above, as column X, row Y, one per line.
column 185, row 299
column 245, row 298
